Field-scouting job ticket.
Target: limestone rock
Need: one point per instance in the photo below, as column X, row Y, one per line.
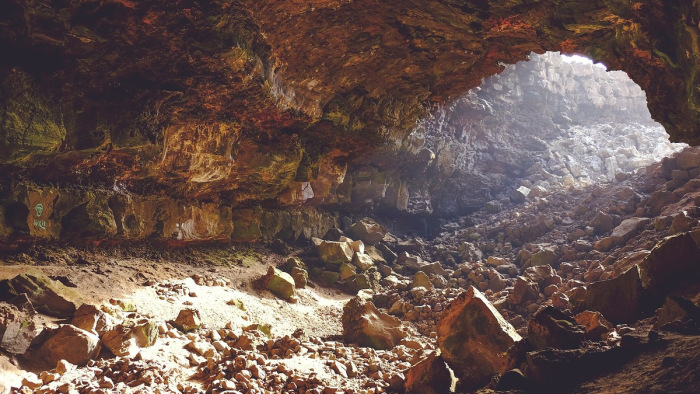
column 366, row 325
column 347, row 270
column 544, row 256
column 362, row 261
column 429, row 376
column 187, row 320
column 300, row 276
column 46, row 295
column 617, row 299
column 622, row 233
column 473, row 338
column 279, row 283
column 127, row 338
column 669, row 263
column 678, row 310
column 552, row 328
column 524, row 290
column 72, row 344
column 520, row 194
column 420, row 279
column 335, row 252
column 90, row 318
column 368, row 231
column 17, row 330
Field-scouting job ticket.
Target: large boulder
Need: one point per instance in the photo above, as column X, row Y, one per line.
column 334, row 252
column 366, row 325
column 622, row 233
column 368, row 231
column 594, row 323
column 45, row 295
column 429, row 376
column 552, row 328
column 17, row 329
column 72, row 344
column 279, row 283
column 670, row 263
column 617, row 299
column 474, row 338
column 90, row 318
column 602, row 223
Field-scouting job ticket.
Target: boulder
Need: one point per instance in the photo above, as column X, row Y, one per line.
column 17, row 330
column 670, row 263
column 677, row 309
column 346, row 270
column 544, row 256
column 300, row 276
column 552, row 328
column 602, row 223
column 72, row 344
column 617, row 299
column 520, row 194
column 473, row 338
column 420, row 279
column 366, row 325
column 335, row 252
column 46, row 295
column 362, row 261
column 187, row 320
column 622, row 233
column 362, row 281
column 524, row 290
column 368, row 231
column 279, row 283
column 595, row 324
column 127, row 338
column 429, row 376
column 90, row 318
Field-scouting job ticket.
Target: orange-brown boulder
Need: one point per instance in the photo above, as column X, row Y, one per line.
column 366, row 325
column 429, row 376
column 474, row 338
column 72, row 344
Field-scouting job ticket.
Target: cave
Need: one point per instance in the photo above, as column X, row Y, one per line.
column 349, row 196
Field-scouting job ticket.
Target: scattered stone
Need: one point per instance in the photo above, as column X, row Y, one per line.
column 473, row 338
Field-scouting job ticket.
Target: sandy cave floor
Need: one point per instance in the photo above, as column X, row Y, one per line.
column 156, row 287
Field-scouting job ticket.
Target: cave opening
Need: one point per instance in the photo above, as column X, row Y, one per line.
column 551, row 123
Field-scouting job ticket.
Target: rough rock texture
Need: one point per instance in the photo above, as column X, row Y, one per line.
column 552, row 328
column 430, row 376
column 71, row 344
column 176, row 119
column 618, row 299
column 279, row 283
column 366, row 325
column 45, row 295
column 473, row 338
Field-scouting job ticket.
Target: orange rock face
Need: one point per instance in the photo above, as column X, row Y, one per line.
column 474, row 338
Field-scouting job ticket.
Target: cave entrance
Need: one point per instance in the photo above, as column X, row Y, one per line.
column 542, row 125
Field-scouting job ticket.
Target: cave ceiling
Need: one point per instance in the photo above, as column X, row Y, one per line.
column 239, row 99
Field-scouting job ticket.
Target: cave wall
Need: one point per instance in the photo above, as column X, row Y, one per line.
column 251, row 105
